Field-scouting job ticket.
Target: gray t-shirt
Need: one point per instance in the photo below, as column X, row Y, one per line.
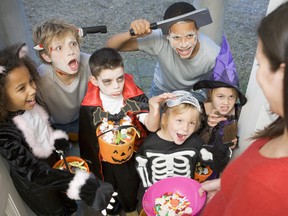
column 173, row 73
column 62, row 102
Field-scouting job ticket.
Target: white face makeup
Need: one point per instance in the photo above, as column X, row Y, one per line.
column 183, row 38
column 111, row 81
column 65, row 54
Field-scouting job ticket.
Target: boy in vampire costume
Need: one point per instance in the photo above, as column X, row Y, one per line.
column 112, row 95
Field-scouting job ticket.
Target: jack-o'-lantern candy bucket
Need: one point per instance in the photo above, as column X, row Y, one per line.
column 74, row 163
column 116, row 142
column 202, row 172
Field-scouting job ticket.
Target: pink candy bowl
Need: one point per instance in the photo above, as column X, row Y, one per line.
column 181, row 185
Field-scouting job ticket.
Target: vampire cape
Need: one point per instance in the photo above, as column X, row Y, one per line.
column 92, row 113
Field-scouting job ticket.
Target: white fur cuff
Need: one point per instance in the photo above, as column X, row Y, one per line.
column 58, row 134
column 75, row 185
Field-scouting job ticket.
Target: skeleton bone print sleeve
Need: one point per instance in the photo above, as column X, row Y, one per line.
column 158, row 159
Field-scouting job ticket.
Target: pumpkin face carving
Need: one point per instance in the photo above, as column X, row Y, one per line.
column 121, row 155
column 116, row 153
column 199, row 174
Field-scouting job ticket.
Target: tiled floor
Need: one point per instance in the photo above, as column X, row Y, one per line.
column 74, row 150
column 142, row 70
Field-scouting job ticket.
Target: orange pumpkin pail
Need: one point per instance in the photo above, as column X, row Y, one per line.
column 79, row 163
column 201, row 177
column 120, row 151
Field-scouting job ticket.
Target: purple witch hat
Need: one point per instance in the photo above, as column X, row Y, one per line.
column 224, row 73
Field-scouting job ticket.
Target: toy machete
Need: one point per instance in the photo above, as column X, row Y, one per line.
column 201, row 17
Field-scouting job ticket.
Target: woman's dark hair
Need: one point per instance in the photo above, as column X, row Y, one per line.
column 10, row 58
column 273, row 33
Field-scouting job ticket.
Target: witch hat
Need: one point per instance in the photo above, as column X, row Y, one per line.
column 224, row 73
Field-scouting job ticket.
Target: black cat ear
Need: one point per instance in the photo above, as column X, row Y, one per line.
column 23, row 51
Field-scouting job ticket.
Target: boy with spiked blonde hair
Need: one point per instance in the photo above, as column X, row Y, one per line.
column 64, row 73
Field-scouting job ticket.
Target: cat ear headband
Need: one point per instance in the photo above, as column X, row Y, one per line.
column 22, row 51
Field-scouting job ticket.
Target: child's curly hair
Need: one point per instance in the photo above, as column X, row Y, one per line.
column 10, row 58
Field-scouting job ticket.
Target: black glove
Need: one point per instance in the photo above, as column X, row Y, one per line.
column 221, row 150
column 97, row 194
column 62, row 145
column 221, row 155
column 103, row 196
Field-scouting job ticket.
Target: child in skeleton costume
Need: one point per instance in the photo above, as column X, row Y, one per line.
column 175, row 149
column 28, row 143
column 221, row 109
column 113, row 95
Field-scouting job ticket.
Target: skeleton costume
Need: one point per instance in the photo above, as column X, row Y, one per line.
column 158, row 158
column 28, row 144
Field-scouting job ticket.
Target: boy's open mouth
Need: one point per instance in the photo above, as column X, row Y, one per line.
column 184, row 52
column 73, row 65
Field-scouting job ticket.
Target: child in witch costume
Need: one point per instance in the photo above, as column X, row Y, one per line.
column 63, row 75
column 222, row 108
column 255, row 182
column 29, row 145
column 113, row 95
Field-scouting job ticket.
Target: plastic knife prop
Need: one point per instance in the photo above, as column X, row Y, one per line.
column 82, row 32
column 92, row 30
